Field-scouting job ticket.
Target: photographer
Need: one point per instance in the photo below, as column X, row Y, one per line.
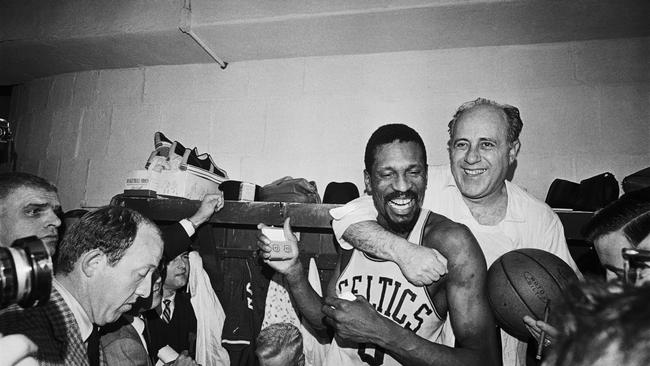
column 28, row 207
column 103, row 265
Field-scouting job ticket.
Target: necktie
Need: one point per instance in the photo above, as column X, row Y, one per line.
column 93, row 347
column 166, row 314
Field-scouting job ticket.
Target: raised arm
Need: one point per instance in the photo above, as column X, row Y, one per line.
column 306, row 299
column 355, row 226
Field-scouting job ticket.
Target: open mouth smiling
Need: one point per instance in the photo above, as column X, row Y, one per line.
column 401, row 204
column 474, row 172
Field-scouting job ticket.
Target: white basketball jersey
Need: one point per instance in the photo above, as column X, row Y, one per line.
column 383, row 285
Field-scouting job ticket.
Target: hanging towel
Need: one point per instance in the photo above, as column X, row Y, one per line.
column 315, row 347
column 279, row 309
column 210, row 316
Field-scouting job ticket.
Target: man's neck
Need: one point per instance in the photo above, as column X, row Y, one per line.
column 77, row 299
column 491, row 209
column 71, row 284
column 167, row 292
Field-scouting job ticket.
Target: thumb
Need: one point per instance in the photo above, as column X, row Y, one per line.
column 287, row 229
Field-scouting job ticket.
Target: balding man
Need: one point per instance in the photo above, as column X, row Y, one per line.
column 473, row 190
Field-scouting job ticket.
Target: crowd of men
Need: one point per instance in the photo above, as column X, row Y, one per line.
column 409, row 286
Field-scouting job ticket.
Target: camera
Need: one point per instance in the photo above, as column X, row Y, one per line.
column 5, row 131
column 636, row 266
column 25, row 273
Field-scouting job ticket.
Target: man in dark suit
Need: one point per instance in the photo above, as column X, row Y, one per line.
column 103, row 265
column 126, row 342
column 173, row 321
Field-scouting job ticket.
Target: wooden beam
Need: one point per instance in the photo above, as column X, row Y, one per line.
column 305, row 216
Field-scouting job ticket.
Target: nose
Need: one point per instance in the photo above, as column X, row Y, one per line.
column 472, row 156
column 401, row 183
column 144, row 287
column 52, row 219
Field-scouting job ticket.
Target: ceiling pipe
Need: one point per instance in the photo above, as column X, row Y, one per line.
column 186, row 27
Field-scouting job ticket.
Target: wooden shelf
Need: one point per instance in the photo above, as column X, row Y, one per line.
column 308, row 217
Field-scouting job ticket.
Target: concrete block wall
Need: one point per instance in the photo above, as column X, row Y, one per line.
column 585, row 106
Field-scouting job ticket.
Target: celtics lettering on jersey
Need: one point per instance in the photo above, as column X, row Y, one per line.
column 393, row 296
column 395, row 299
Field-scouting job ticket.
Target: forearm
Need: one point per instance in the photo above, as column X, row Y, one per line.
column 308, row 302
column 410, row 349
column 371, row 238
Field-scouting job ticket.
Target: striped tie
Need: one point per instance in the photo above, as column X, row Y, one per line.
column 166, row 311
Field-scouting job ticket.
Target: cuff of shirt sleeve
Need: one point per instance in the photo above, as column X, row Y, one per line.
column 187, row 225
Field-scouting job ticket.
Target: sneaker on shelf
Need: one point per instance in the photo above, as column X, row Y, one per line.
column 161, row 148
column 205, row 162
column 160, row 141
column 178, row 154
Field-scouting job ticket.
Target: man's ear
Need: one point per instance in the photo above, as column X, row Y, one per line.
column 514, row 151
column 366, row 181
column 92, row 261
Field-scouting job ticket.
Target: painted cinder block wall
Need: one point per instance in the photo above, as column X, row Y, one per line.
column 585, row 106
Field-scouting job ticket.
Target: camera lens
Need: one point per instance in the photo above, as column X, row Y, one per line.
column 25, row 273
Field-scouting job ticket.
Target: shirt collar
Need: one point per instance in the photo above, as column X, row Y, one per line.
column 83, row 321
column 171, row 297
column 514, row 212
column 138, row 324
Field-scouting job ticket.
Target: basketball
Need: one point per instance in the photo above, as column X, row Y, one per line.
column 520, row 282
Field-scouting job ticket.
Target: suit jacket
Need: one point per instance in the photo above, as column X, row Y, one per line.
column 52, row 327
column 179, row 334
column 122, row 345
column 176, row 240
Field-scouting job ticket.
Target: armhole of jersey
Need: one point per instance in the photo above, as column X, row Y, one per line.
column 433, row 304
column 426, row 289
column 346, row 259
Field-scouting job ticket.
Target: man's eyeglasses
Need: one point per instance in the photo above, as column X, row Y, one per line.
column 636, row 266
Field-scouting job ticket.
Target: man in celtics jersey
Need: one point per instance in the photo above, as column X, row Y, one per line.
column 389, row 321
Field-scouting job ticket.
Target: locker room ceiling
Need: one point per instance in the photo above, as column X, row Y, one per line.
column 42, row 38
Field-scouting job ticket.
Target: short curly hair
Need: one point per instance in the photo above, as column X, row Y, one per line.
column 281, row 338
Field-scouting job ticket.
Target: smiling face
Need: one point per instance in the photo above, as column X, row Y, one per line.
column 178, row 271
column 28, row 211
column 480, row 154
column 397, row 184
column 115, row 288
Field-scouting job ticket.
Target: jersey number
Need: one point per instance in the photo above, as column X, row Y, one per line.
column 377, row 357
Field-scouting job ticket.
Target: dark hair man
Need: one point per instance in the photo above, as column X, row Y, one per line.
column 29, row 206
column 392, row 321
column 624, row 223
column 103, row 265
column 605, row 324
column 483, row 144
